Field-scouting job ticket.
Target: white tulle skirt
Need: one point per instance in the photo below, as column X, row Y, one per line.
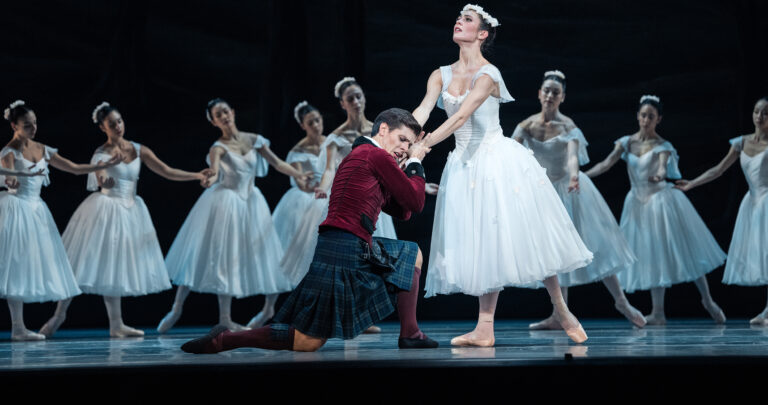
column 228, row 245
column 112, row 245
column 299, row 252
column 288, row 213
column 598, row 229
column 385, row 228
column 499, row 222
column 748, row 254
column 670, row 240
column 34, row 265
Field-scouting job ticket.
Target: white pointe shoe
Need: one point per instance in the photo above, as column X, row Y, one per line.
column 714, row 311
column 631, row 313
column 547, row 324
column 373, row 329
column 759, row 320
column 233, row 326
column 470, row 340
column 656, row 320
column 52, row 326
column 124, row 331
column 168, row 321
column 577, row 332
column 260, row 319
column 25, row 335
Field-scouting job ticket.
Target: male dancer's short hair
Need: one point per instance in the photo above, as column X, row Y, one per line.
column 396, row 118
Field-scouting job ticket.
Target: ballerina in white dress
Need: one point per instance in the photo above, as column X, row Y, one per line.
column 228, row 245
column 110, row 239
column 669, row 238
column 498, row 220
column 747, row 262
column 35, row 267
column 560, row 147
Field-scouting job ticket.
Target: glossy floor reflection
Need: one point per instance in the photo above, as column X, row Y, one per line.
column 515, row 345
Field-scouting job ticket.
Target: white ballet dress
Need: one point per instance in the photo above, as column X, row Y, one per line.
column 34, row 265
column 292, row 206
column 110, row 239
column 498, row 220
column 748, row 254
column 228, row 244
column 590, row 213
column 669, row 238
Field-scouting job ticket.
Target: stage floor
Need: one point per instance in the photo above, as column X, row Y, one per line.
column 609, row 341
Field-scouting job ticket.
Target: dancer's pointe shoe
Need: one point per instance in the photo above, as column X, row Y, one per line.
column 631, row 313
column 22, row 335
column 124, row 331
column 656, row 319
column 52, row 326
column 714, row 311
column 470, row 339
column 205, row 344
column 260, row 319
column 168, row 321
column 372, row 329
column 548, row 324
column 572, row 327
column 233, row 326
column 759, row 320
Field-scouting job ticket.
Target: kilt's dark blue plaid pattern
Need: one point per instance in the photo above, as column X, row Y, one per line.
column 343, row 294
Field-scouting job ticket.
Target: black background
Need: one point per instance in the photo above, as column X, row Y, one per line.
column 160, row 62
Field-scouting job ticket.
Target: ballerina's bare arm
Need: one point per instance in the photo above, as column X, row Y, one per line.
column 158, row 166
column 66, row 165
column 573, row 165
column 712, row 173
column 214, row 157
column 607, row 163
column 434, row 87
column 321, row 191
column 484, row 86
column 284, row 168
column 661, row 173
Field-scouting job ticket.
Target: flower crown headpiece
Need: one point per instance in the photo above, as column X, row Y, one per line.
column 649, row 97
column 297, row 109
column 340, row 83
column 7, row 112
column 479, row 10
column 96, row 110
column 554, row 73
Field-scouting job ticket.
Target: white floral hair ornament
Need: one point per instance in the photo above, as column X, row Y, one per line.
column 297, row 109
column 554, row 73
column 340, row 83
column 479, row 10
column 649, row 97
column 95, row 113
column 7, row 112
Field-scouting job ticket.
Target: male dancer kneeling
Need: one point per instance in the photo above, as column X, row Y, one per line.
column 355, row 280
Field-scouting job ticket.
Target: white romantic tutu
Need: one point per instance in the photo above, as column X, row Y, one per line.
column 112, row 245
column 385, row 228
column 289, row 212
column 299, row 252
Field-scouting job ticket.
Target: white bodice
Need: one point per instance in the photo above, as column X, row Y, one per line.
column 236, row 171
column 308, row 162
column 552, row 154
column 754, row 167
column 483, row 125
column 641, row 168
column 125, row 175
column 29, row 186
column 343, row 148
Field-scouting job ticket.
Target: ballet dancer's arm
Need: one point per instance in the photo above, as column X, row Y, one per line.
column 66, row 165
column 434, row 86
column 302, row 178
column 307, row 186
column 321, row 191
column 712, row 173
column 607, row 163
column 484, row 86
column 661, row 172
column 158, row 166
column 573, row 165
column 214, row 157
column 11, row 172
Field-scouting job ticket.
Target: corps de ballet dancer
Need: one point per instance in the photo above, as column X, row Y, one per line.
column 669, row 238
column 747, row 262
column 110, row 239
column 498, row 220
column 560, row 147
column 228, row 245
column 355, row 279
column 35, row 267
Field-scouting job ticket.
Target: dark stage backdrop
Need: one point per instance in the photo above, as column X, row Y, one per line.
column 160, row 62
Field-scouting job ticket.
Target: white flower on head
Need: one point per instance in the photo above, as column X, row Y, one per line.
column 96, row 110
column 297, row 109
column 7, row 112
column 649, row 97
column 479, row 10
column 555, row 73
column 340, row 83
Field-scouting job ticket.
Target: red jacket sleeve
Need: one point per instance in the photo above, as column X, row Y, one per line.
column 406, row 191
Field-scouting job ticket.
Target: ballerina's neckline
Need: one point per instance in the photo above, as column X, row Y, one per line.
column 646, row 152
column 242, row 155
column 743, row 140
column 460, row 98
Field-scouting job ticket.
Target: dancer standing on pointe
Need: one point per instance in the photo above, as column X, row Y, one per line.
column 560, row 147
column 747, row 262
column 110, row 239
column 44, row 273
column 669, row 238
column 228, row 245
column 498, row 220
column 355, row 279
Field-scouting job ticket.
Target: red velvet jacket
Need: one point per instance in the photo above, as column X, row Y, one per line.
column 367, row 181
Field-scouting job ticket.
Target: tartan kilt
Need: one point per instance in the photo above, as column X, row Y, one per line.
column 344, row 292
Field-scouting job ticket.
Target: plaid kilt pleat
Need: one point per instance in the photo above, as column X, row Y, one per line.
column 343, row 293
